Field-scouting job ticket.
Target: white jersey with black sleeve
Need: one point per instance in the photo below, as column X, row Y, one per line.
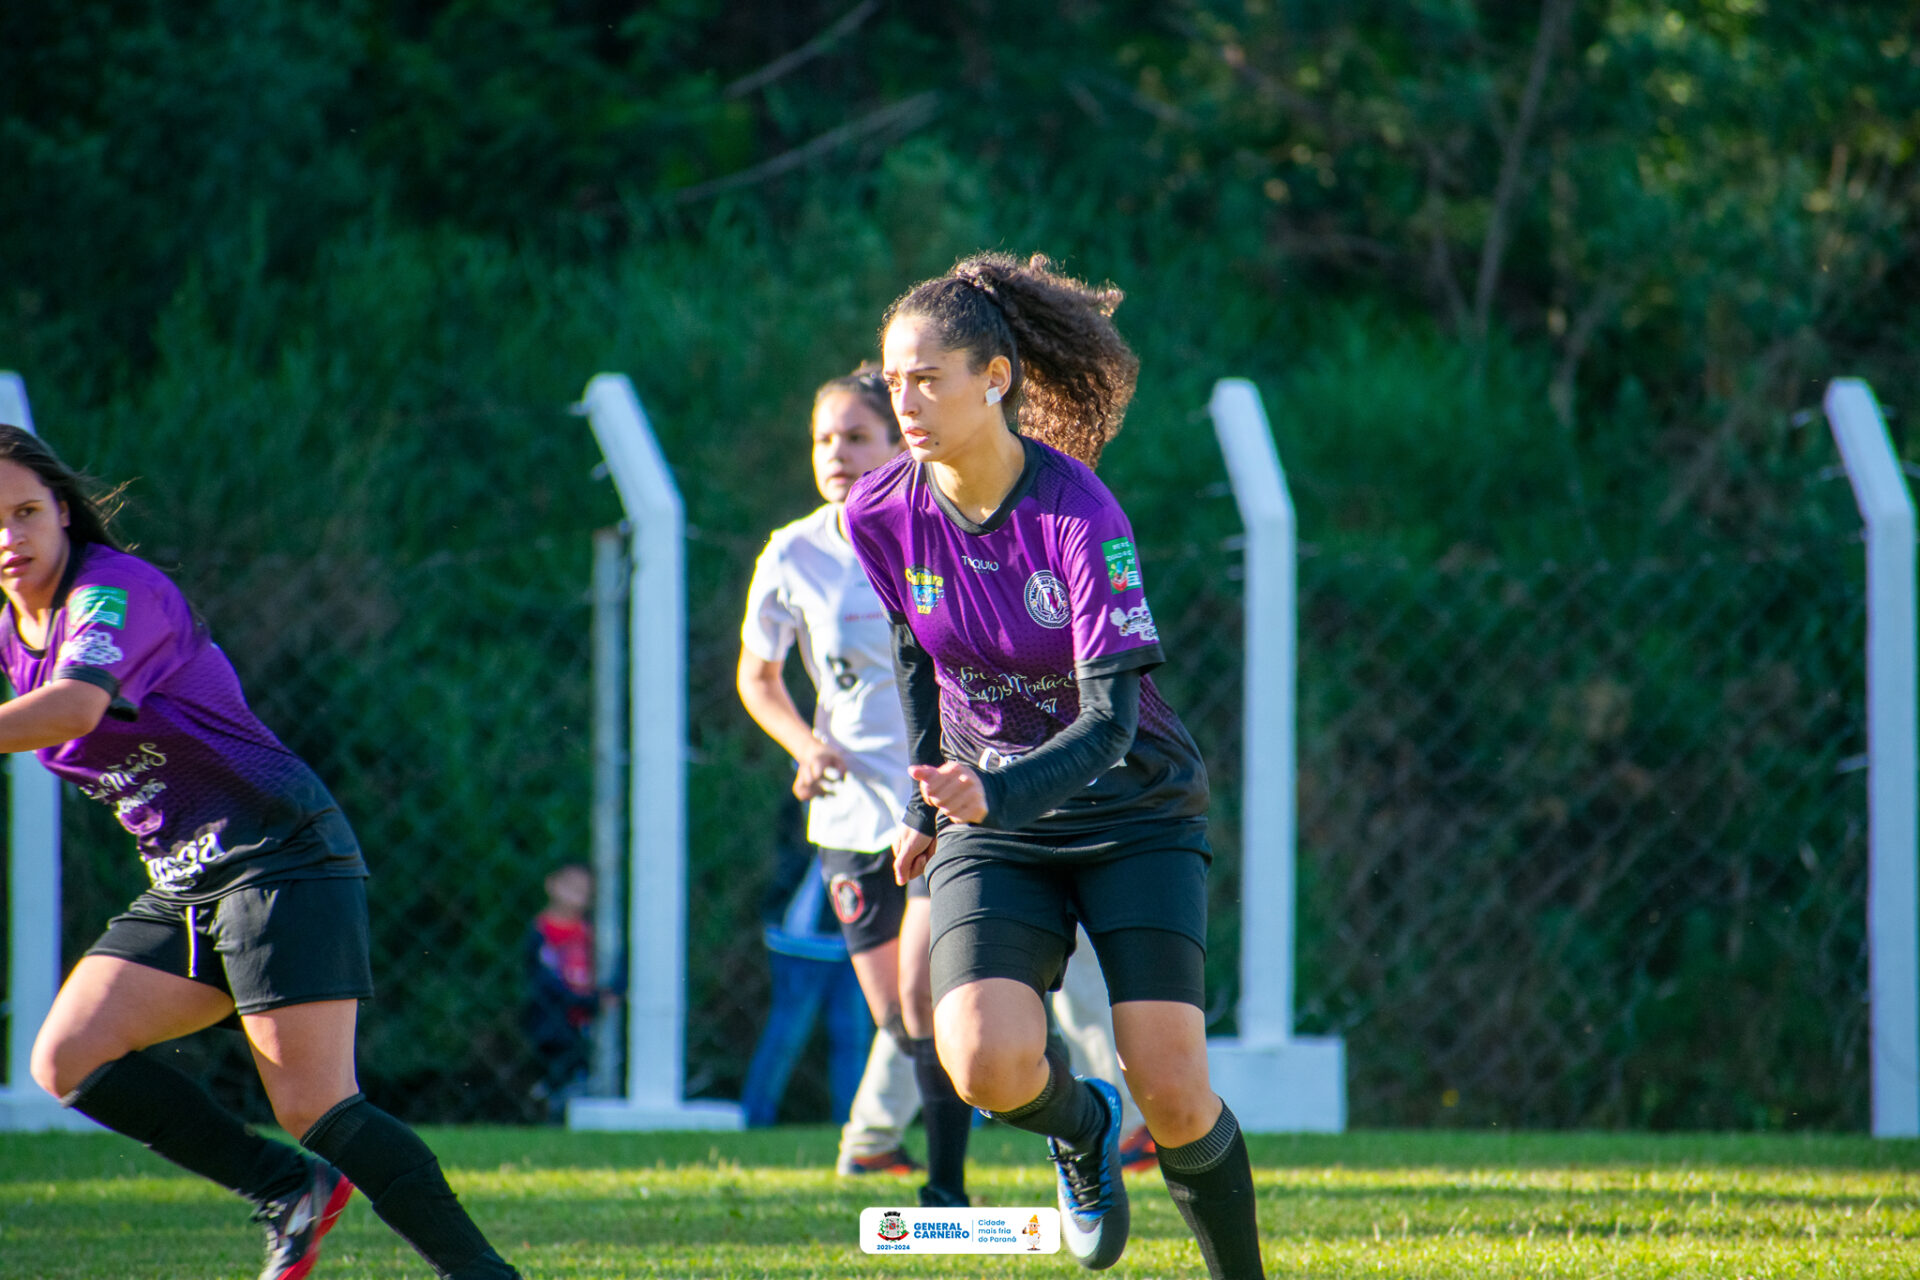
column 809, row 587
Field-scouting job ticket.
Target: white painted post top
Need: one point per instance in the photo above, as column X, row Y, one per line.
column 633, row 456
column 1253, row 462
column 1860, row 431
column 13, row 401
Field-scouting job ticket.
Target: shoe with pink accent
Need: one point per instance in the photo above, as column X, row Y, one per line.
column 1137, row 1150
column 294, row 1226
column 896, row 1161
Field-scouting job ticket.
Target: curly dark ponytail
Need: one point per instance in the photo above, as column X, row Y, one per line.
column 1073, row 373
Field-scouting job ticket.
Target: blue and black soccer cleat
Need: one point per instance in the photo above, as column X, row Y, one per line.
column 1093, row 1195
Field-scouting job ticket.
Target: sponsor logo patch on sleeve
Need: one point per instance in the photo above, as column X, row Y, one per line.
column 1137, row 621
column 1123, row 564
column 103, row 606
column 89, row 649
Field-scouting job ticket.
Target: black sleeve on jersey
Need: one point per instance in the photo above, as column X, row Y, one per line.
column 1139, row 661
column 119, row 708
column 920, row 701
column 1048, row 776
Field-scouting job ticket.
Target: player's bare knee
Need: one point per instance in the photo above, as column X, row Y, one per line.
column 299, row 1110
column 1174, row 1099
column 45, row 1069
column 1178, row 1110
column 297, row 1119
column 989, row 1093
column 993, row 1078
column 968, row 1078
column 59, row 1064
column 972, row 1072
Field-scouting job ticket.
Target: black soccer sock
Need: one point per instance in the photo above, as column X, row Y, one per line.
column 402, row 1180
column 168, row 1111
column 948, row 1118
column 1211, row 1182
column 1066, row 1109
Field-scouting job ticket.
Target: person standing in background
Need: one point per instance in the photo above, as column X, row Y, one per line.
column 564, row 1001
column 850, row 763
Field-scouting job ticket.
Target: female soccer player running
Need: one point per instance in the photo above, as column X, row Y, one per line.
column 1055, row 784
column 852, row 760
column 257, row 904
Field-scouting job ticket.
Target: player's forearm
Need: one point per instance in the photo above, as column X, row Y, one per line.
column 1051, row 774
column 52, row 714
column 766, row 699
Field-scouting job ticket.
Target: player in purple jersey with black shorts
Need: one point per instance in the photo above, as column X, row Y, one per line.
column 1055, row 784
column 257, row 905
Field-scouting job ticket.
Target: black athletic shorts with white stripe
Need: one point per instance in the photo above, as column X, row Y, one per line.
column 266, row 945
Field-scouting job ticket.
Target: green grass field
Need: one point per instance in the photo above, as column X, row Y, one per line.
column 1415, row 1205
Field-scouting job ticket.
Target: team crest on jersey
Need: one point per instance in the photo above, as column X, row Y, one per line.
column 928, row 588
column 104, row 605
column 1123, row 564
column 848, row 900
column 89, row 649
column 1047, row 600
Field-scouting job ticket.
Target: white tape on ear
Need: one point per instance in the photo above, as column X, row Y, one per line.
column 993, row 395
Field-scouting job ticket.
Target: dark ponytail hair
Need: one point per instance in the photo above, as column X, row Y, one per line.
column 88, row 516
column 1073, row 373
column 866, row 385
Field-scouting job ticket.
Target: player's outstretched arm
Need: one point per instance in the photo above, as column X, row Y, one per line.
column 56, row 712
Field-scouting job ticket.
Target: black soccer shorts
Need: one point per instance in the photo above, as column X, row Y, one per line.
column 267, row 946
column 866, row 901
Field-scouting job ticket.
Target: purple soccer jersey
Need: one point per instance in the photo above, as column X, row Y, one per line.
column 210, row 796
column 1016, row 610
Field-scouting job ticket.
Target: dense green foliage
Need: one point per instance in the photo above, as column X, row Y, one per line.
column 1419, row 1206
column 1669, row 221
column 1517, row 279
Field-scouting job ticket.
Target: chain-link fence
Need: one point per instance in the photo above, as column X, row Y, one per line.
column 1579, row 843
column 445, row 703
column 1585, row 844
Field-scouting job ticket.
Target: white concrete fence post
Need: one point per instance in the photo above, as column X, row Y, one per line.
column 1893, row 836
column 1275, row 1081
column 657, row 778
